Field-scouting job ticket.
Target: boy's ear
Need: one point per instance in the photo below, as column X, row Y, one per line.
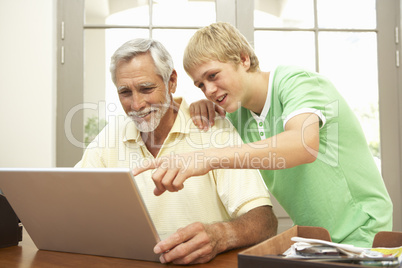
column 245, row 61
column 173, row 82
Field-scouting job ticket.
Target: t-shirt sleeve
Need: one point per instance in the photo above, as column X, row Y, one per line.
column 300, row 91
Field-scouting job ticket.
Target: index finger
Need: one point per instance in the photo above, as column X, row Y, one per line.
column 152, row 164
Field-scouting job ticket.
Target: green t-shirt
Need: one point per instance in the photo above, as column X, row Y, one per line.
column 342, row 190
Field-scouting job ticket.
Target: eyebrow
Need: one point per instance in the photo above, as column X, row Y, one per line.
column 121, row 88
column 147, row 84
column 204, row 74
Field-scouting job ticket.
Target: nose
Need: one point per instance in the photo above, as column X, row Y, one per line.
column 138, row 102
column 210, row 90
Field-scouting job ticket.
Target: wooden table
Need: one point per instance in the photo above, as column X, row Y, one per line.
column 26, row 254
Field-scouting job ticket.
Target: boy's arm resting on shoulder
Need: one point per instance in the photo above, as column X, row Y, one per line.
column 202, row 113
column 200, row 243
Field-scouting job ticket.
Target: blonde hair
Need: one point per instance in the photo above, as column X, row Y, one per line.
column 218, row 41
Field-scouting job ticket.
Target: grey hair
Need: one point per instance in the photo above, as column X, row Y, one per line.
column 161, row 57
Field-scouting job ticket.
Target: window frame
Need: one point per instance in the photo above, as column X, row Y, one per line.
column 390, row 101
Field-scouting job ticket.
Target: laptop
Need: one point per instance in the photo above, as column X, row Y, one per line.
column 87, row 211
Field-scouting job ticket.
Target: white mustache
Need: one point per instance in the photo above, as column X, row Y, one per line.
column 143, row 113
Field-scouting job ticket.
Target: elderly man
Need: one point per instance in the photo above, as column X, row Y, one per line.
column 219, row 211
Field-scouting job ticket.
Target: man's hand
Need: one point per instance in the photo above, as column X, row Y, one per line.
column 200, row 243
column 172, row 170
column 195, row 243
column 202, row 113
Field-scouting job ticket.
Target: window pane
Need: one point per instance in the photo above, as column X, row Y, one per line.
column 347, row 14
column 94, row 80
column 117, row 12
column 284, row 13
column 350, row 60
column 183, row 13
column 175, row 42
column 274, row 48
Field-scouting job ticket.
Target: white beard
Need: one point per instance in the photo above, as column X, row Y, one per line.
column 157, row 113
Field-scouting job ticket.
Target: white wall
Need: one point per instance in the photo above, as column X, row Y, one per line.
column 27, row 83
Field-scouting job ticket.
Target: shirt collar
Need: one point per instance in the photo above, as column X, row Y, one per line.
column 182, row 124
column 267, row 104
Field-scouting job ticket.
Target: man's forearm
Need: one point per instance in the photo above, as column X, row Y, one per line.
column 199, row 243
column 253, row 227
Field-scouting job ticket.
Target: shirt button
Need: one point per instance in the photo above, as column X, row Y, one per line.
column 260, row 124
column 262, row 133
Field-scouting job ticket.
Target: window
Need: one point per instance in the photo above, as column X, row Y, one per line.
column 309, row 33
column 160, row 19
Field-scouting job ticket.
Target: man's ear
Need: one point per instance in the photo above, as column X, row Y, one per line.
column 173, row 82
column 245, row 61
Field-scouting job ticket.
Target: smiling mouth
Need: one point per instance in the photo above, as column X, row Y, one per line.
column 143, row 115
column 222, row 98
